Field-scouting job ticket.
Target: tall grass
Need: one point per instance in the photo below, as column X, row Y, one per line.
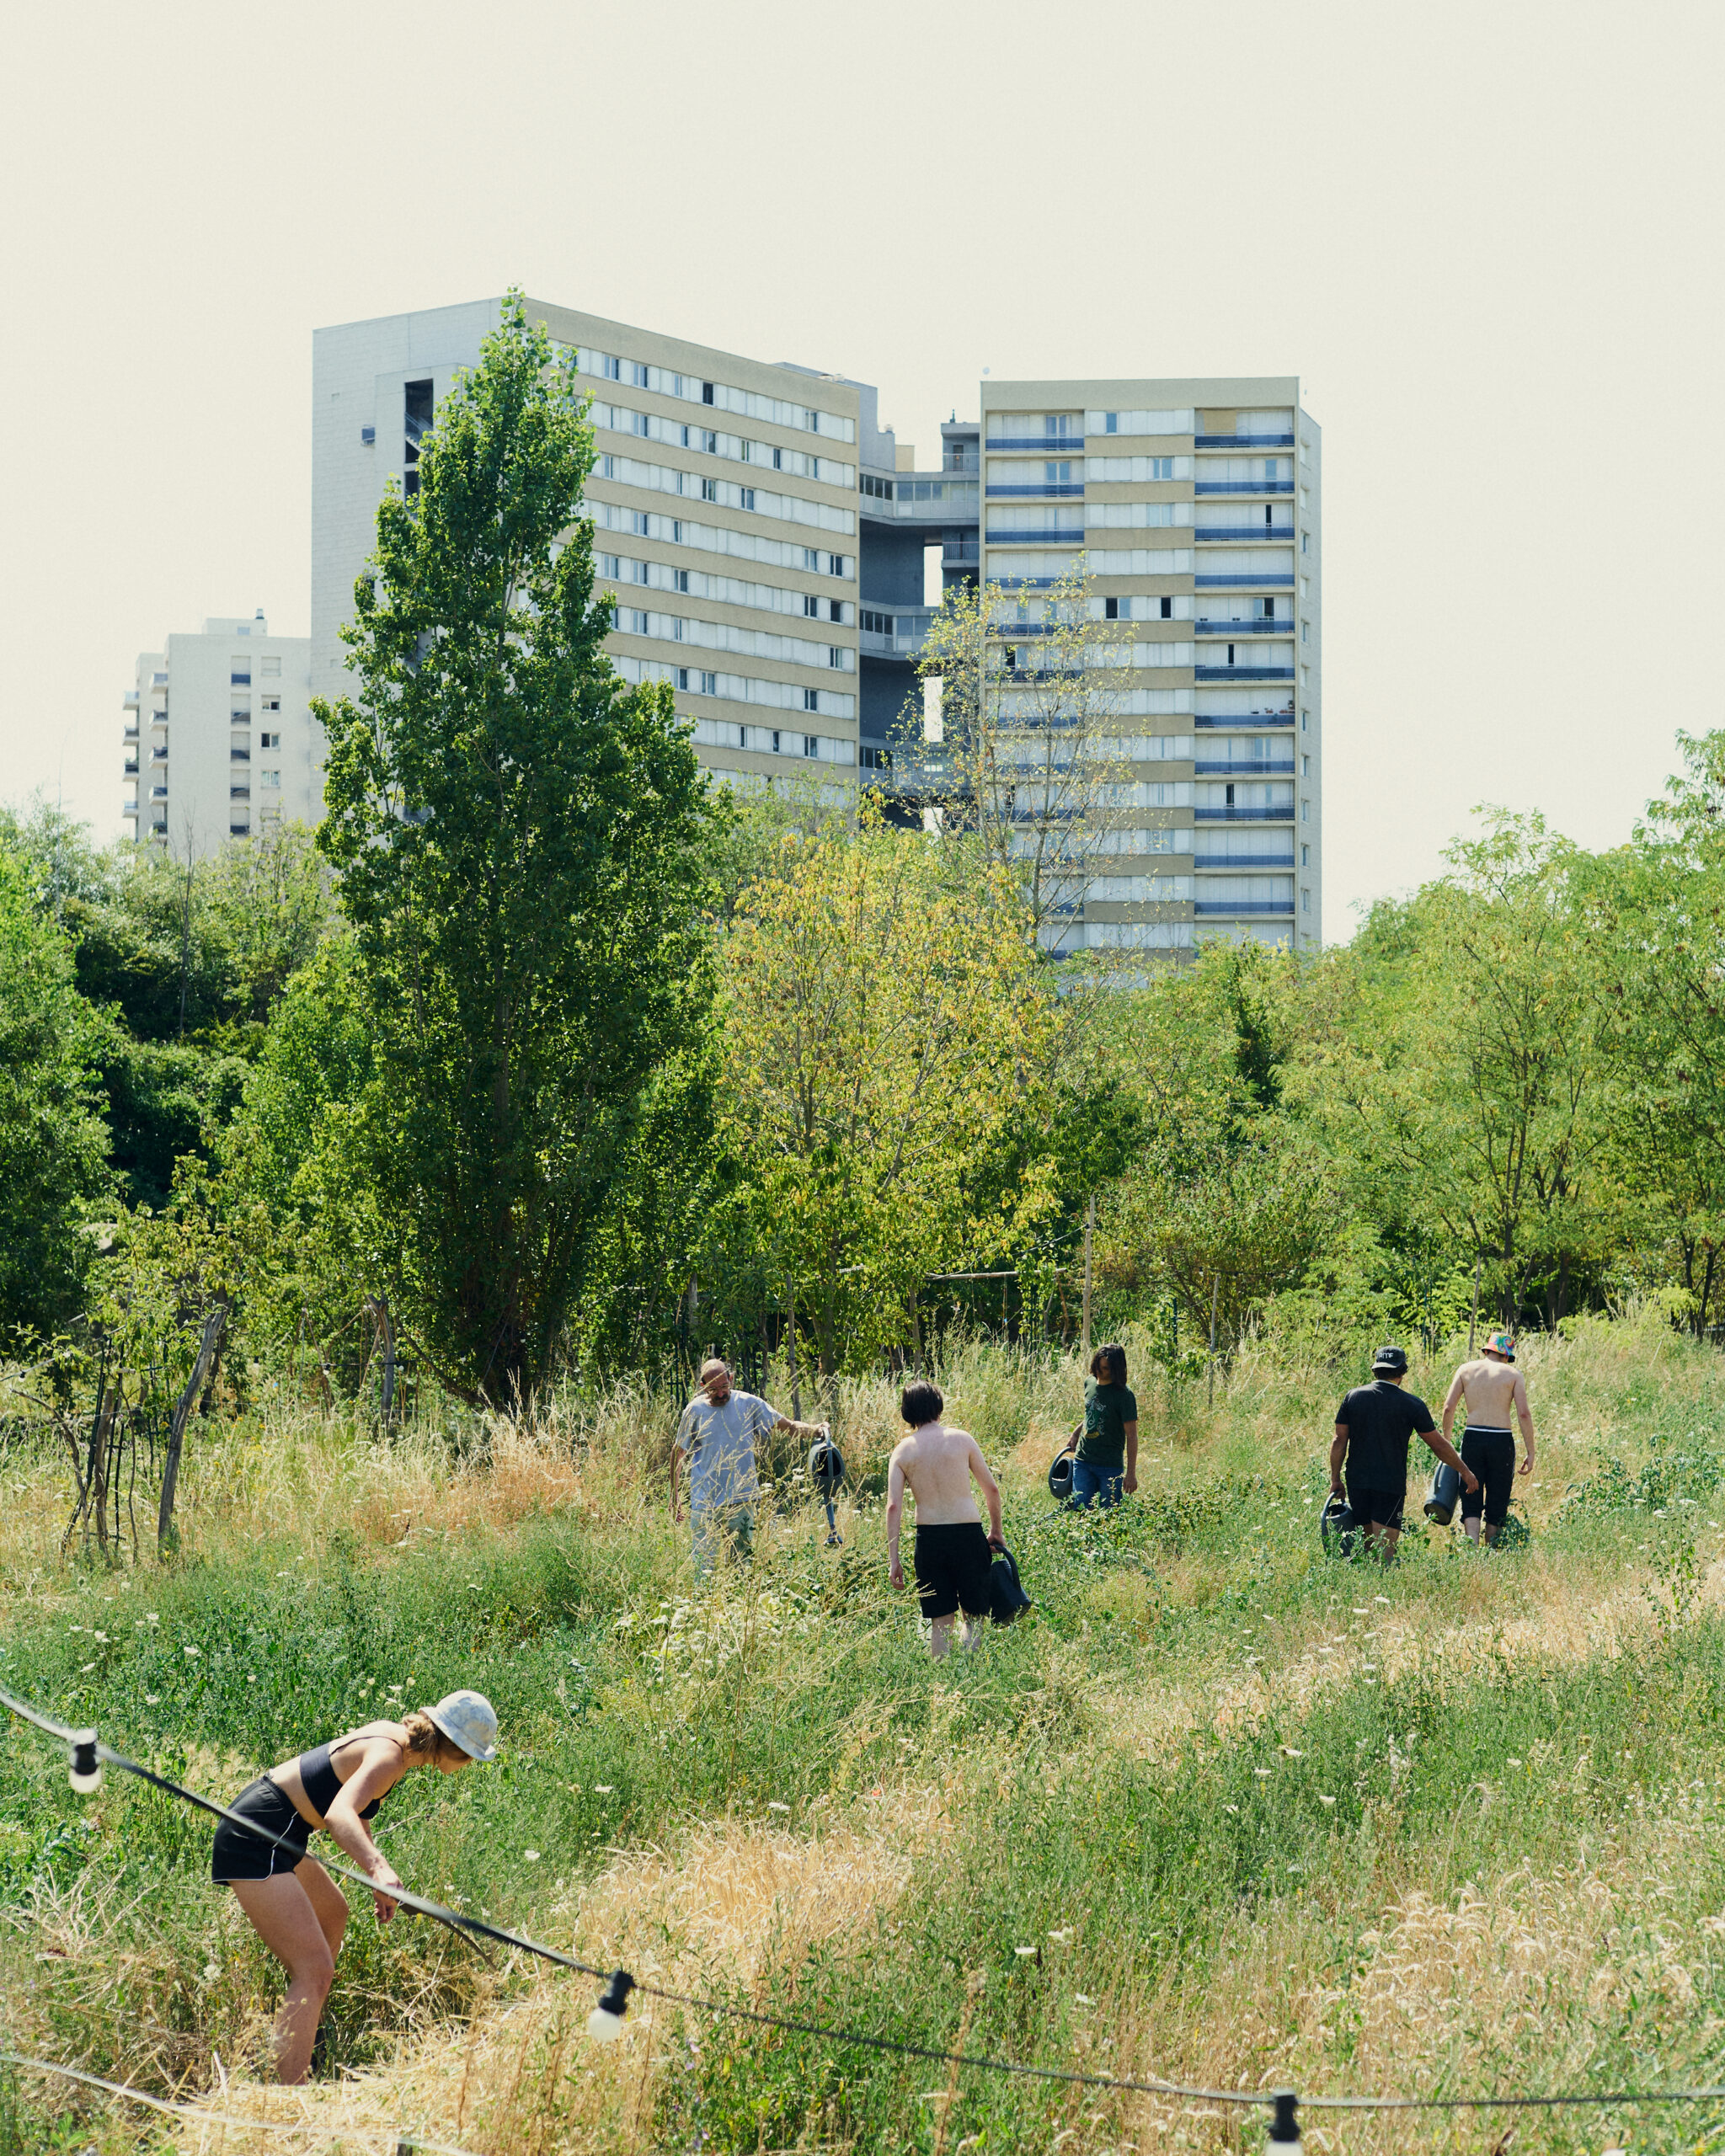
column 1257, row 1816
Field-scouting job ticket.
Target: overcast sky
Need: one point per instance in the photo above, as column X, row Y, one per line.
column 1487, row 238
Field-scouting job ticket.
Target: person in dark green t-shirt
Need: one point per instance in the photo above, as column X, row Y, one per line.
column 1105, row 1444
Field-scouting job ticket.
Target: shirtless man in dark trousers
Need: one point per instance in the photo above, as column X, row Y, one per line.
column 953, row 1557
column 1373, row 1425
column 1493, row 1389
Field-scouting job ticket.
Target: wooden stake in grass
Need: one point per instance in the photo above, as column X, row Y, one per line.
column 1089, row 1231
column 176, row 1429
column 1212, row 1285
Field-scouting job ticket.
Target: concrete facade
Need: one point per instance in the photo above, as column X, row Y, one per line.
column 220, row 742
column 770, row 544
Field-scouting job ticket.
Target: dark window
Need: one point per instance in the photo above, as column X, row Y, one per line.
column 1230, row 660
column 1167, row 610
column 1229, row 792
column 1111, row 610
column 416, row 424
column 682, row 579
column 811, row 700
column 1268, row 511
column 707, row 393
column 811, row 605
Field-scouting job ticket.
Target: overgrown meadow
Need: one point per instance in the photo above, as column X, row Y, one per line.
column 1221, row 1810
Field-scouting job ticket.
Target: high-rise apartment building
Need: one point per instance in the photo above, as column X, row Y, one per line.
column 725, row 502
column 220, row 741
column 772, row 548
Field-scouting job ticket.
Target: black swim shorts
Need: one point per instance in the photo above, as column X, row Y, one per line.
column 1490, row 1453
column 240, row 1855
column 952, row 1568
column 1375, row 1508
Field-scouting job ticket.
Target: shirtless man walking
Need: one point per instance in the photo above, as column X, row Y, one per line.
column 953, row 1557
column 1491, row 1387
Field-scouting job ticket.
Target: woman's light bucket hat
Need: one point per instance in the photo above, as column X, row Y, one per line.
column 469, row 1720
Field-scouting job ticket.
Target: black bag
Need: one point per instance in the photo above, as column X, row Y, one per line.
column 1007, row 1598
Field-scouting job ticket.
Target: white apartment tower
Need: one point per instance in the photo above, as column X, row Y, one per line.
column 767, row 541
column 1195, row 505
column 220, row 741
column 725, row 499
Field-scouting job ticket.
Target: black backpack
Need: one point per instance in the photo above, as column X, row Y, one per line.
column 1007, row 1598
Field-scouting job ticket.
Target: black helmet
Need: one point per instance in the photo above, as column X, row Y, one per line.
column 1336, row 1526
column 1443, row 1496
column 826, row 1467
column 1060, row 1475
column 1389, row 1358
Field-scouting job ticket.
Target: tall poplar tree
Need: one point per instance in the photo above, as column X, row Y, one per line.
column 517, row 833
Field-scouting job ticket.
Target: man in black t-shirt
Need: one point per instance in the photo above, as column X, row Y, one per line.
column 1373, row 1425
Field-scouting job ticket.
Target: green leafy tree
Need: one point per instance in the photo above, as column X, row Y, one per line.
column 53, row 1143
column 518, row 836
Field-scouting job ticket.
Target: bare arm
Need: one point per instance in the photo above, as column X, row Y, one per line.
column 895, row 1519
column 381, row 1768
column 1338, row 1453
column 990, row 1488
column 1435, row 1440
column 1524, row 1415
column 1131, row 1480
column 1452, row 1401
column 803, row 1430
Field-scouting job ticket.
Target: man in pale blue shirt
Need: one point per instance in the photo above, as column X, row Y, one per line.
column 719, row 1432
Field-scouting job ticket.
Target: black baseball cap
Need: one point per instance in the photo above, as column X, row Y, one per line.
column 1389, row 1358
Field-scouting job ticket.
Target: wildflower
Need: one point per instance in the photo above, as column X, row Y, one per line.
column 1326, row 1801
column 88, row 1667
column 152, row 1699
column 1024, row 1953
column 1062, row 1936
column 151, row 1618
column 1231, row 1807
column 1512, row 1763
column 1360, row 1612
column 210, row 1972
column 1079, row 1999
column 192, row 1654
column 1262, row 1773
column 1289, row 1753
column 602, row 1789
column 103, row 1637
column 532, row 1855
column 1383, row 1599
column 773, row 1805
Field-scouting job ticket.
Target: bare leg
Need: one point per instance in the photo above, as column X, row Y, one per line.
column 1383, row 1540
column 971, row 1637
column 287, row 1919
column 1493, row 1531
column 1470, row 1527
column 940, row 1638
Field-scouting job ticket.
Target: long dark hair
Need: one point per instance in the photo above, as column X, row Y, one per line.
column 1108, row 1365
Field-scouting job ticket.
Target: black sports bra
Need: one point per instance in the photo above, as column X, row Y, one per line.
column 323, row 1785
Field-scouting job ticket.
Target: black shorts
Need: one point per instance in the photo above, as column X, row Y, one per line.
column 240, row 1855
column 953, row 1564
column 1490, row 1453
column 1375, row 1508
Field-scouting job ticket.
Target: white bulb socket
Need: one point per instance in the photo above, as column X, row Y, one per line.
column 604, row 2027
column 85, row 1762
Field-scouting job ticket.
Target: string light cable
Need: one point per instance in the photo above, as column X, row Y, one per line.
column 88, row 1754
column 403, row 2142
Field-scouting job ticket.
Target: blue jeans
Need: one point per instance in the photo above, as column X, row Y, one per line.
column 1090, row 1487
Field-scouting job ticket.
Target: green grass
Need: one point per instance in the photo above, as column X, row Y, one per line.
column 1514, row 1882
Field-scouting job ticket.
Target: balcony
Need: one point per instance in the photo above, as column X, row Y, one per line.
column 159, row 793
column 1041, row 535
column 959, row 553
column 131, row 767
column 1226, row 864
column 1071, row 445
column 239, row 793
column 1243, row 906
column 1211, row 719
column 158, row 681
column 1242, row 673
column 1249, row 768
column 1284, row 814
column 1065, row 491
column 1202, row 487
column 1238, row 583
column 891, row 635
column 1210, row 533
column 129, row 734
column 239, row 756
column 1243, row 441
column 1254, row 625
column 918, row 500
column 961, row 460
column 159, row 755
column 129, row 809
column 129, row 702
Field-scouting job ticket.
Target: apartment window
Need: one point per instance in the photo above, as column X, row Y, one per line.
column 707, row 393
column 677, row 530
column 1269, row 468
column 835, row 656
column 610, row 565
column 239, row 793
column 678, row 625
column 638, row 524
column 743, row 449
column 639, row 422
column 1305, row 901
column 269, row 740
column 416, row 424
column 709, row 441
column 1111, row 423
column 811, row 559
column 1167, row 614
column 811, row 744
column 272, row 665
column 1268, row 512
column 745, row 498
column 834, row 564
column 238, row 753
column 1058, row 475
column 709, row 490
column 1160, row 467
column 1305, row 812
column 638, row 374
column 680, row 580
column 1305, row 856
column 1306, row 722
column 613, row 367
column 1306, row 767
column 1305, row 542
column 1111, row 607
column 272, row 703
column 811, row 700
column 709, row 685
column 240, row 714
column 881, row 490
column 1267, row 608
column 241, row 675
column 269, row 778
column 634, row 621
column 1230, row 654
column 1228, row 794
column 682, row 677
column 874, row 760
column 1304, row 632
column 811, row 608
